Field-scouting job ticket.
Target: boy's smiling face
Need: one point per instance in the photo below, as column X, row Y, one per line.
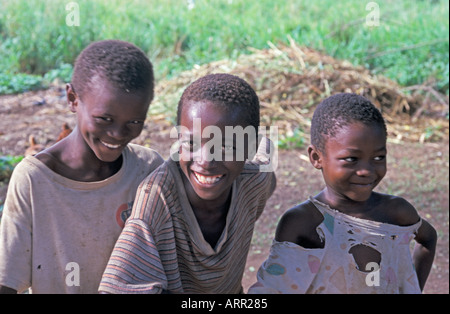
column 108, row 118
column 353, row 161
column 207, row 178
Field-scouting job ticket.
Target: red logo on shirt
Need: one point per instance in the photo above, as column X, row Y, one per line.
column 122, row 213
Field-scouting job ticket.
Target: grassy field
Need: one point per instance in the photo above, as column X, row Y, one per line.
column 404, row 40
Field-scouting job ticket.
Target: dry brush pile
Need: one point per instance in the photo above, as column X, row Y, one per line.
column 291, row 80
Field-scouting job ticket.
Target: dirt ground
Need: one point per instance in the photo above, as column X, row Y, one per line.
column 418, row 172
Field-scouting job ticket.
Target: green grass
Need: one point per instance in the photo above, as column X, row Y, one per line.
column 410, row 45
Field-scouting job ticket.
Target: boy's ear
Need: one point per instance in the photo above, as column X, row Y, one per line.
column 72, row 97
column 315, row 157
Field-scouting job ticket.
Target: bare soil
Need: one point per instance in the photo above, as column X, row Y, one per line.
column 418, row 172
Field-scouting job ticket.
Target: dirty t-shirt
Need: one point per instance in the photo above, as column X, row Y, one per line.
column 56, row 234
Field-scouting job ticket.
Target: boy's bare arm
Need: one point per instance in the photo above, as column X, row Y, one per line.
column 424, row 251
column 299, row 225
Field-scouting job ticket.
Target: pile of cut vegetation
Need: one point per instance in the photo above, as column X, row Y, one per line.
column 291, row 80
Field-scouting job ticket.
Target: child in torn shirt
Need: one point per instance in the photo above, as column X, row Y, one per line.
column 348, row 238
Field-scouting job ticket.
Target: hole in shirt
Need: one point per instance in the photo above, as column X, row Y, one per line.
column 363, row 255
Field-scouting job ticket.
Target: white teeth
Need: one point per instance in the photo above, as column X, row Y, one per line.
column 207, row 179
column 110, row 145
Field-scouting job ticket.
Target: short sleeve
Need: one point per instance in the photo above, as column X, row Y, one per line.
column 16, row 232
column 263, row 167
column 144, row 257
column 135, row 265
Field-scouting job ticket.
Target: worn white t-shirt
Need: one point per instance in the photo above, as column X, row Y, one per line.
column 293, row 269
column 57, row 234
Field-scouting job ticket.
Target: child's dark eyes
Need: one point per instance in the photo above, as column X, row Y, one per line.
column 349, row 159
column 355, row 159
column 192, row 147
column 189, row 145
column 228, row 148
column 380, row 158
column 105, row 120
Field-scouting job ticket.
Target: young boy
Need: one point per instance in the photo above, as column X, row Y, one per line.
column 348, row 238
column 67, row 205
column 192, row 223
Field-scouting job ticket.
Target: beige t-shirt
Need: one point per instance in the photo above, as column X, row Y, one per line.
column 57, row 234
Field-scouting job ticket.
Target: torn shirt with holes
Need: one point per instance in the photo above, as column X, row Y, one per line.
column 291, row 268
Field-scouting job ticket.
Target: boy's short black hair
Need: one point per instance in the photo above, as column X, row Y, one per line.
column 338, row 111
column 121, row 63
column 224, row 90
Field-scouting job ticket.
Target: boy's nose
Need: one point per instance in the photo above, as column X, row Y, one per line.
column 365, row 170
column 205, row 157
column 119, row 132
column 206, row 164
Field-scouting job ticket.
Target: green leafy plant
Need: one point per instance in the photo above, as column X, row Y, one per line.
column 7, row 165
column 292, row 140
column 63, row 73
column 10, row 84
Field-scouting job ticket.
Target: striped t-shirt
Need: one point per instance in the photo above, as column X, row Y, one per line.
column 163, row 248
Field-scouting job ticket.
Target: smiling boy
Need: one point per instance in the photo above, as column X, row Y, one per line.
column 193, row 219
column 329, row 243
column 66, row 206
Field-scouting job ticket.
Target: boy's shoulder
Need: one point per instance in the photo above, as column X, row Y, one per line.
column 144, row 153
column 299, row 223
column 397, row 210
column 164, row 177
column 27, row 168
column 304, row 213
column 253, row 176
